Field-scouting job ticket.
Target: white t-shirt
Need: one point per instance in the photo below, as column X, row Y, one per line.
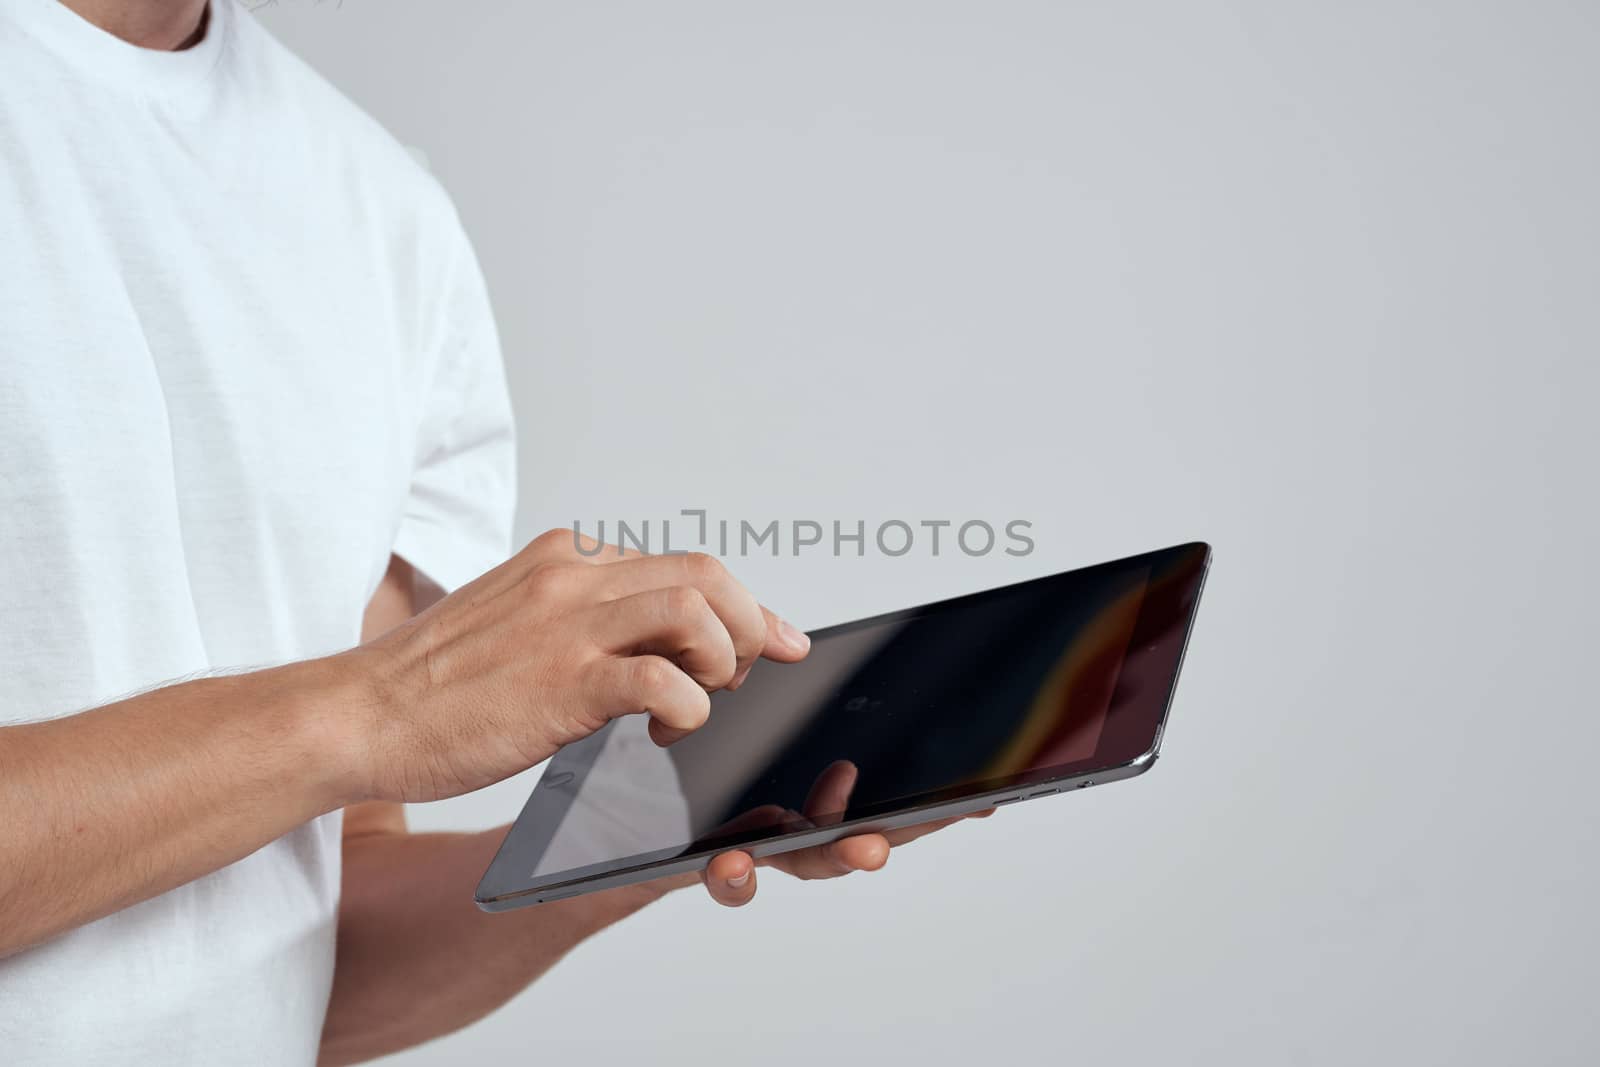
column 245, row 354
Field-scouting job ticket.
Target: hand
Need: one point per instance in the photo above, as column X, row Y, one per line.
column 545, row 650
column 730, row 877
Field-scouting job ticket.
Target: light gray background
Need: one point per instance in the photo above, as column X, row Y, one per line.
column 1316, row 282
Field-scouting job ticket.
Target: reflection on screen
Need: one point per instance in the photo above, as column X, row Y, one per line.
column 1019, row 681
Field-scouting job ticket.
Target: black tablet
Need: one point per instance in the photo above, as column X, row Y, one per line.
column 1041, row 687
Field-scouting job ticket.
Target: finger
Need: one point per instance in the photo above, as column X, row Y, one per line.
column 830, row 793
column 552, row 548
column 731, row 879
column 676, row 622
column 530, row 568
column 907, row 834
column 741, row 616
column 561, row 545
column 677, row 704
column 862, row 852
column 764, row 817
column 786, row 642
column 507, row 576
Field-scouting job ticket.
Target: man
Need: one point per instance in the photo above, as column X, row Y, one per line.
column 252, row 412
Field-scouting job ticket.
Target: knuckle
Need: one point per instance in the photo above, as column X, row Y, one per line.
column 684, row 600
column 702, row 567
column 550, row 581
column 700, row 709
column 688, row 714
column 653, row 675
column 722, row 674
column 552, row 541
column 750, row 639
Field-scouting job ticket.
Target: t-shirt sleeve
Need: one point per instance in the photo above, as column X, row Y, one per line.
column 457, row 518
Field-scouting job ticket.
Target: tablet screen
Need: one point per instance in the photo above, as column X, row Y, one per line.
column 1033, row 681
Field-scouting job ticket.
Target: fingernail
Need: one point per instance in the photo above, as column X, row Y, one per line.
column 738, row 883
column 792, row 634
column 738, row 679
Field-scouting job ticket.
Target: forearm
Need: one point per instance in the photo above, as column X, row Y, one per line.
column 418, row 959
column 116, row 805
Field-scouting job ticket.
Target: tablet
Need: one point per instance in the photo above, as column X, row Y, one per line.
column 1042, row 687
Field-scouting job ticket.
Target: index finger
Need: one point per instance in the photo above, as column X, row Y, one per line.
column 786, row 642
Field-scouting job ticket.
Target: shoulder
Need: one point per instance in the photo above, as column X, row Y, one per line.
column 346, row 151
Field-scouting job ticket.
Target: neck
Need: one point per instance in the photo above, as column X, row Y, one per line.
column 168, row 25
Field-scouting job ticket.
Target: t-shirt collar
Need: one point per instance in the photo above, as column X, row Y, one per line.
column 107, row 57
